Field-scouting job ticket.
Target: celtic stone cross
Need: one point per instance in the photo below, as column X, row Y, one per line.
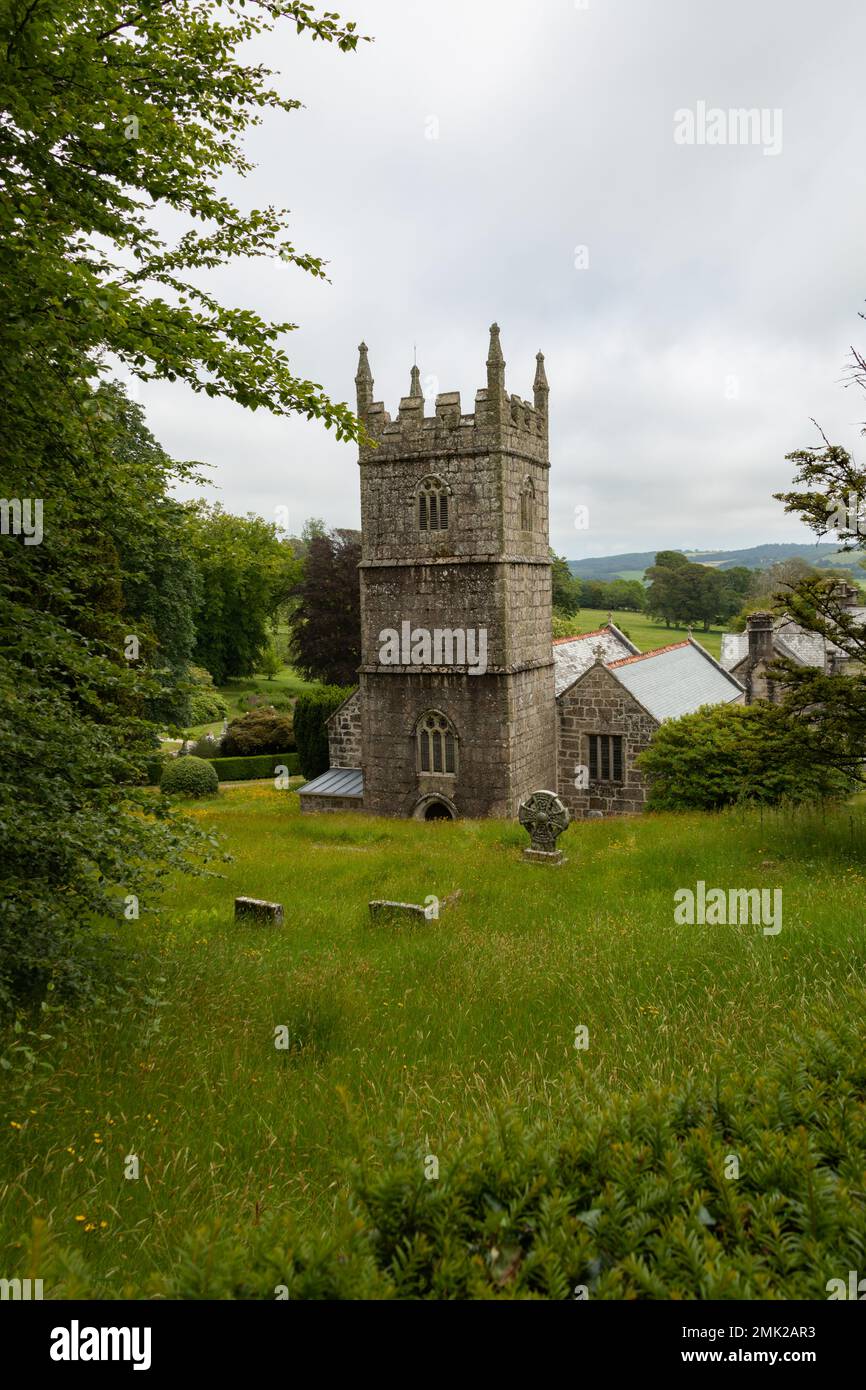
column 544, row 817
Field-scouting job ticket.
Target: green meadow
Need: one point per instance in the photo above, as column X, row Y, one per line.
column 416, row 1032
column 645, row 633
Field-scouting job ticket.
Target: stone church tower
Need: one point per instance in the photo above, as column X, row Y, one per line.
column 458, row 715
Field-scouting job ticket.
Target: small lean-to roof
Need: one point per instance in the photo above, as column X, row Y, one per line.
column 337, row 781
column 574, row 655
column 676, row 680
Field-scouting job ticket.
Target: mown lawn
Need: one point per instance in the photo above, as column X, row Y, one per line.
column 410, row 1030
column 645, row 633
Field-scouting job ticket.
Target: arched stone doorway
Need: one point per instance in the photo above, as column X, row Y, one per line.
column 435, row 807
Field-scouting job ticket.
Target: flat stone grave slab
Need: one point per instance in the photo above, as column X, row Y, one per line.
column 257, row 910
column 383, row 911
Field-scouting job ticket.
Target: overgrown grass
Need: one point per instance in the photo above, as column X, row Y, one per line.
column 416, row 1030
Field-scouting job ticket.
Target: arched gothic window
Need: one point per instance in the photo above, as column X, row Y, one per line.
column 433, row 505
column 437, row 743
column 527, row 504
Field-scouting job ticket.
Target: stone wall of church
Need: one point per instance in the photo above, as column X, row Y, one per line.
column 533, row 734
column 598, row 704
column 344, row 734
column 477, row 707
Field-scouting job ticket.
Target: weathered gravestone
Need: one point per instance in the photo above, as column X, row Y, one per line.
column 544, row 817
column 258, row 911
column 382, row 911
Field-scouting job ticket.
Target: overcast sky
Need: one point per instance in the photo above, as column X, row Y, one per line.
column 487, row 159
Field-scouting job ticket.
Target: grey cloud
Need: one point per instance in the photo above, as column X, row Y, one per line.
column 556, row 130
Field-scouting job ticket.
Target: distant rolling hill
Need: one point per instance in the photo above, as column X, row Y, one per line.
column 633, row 564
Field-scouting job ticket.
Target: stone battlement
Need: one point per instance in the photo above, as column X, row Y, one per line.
column 499, row 420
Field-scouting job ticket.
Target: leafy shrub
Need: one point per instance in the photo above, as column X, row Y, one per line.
column 311, row 731
column 728, row 753
column 208, row 746
column 270, row 661
column 565, row 624
column 259, row 731
column 634, row 1199
column 190, row 775
column 261, row 765
column 153, row 769
column 206, row 703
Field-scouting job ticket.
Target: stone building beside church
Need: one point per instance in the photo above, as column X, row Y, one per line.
column 770, row 637
column 465, row 705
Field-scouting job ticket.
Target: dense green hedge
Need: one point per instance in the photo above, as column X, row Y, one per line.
column 233, row 769
column 311, row 731
column 256, row 765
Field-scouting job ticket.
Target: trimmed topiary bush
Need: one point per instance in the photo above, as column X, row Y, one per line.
column 190, row 776
column 311, row 726
column 259, row 731
column 153, row 768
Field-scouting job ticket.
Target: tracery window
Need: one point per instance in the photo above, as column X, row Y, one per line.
column 437, row 743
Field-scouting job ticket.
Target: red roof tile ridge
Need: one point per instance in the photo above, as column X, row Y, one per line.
column 579, row 636
column 641, row 656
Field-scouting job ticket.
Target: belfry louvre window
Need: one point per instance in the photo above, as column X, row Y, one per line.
column 437, row 745
column 605, row 757
column 432, row 505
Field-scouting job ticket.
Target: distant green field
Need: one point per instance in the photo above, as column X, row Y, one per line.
column 645, row 633
column 285, row 685
column 412, row 1030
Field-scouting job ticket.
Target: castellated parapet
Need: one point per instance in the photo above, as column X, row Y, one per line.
column 499, row 420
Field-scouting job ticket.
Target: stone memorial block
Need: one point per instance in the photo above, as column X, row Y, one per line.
column 258, row 911
column 382, row 911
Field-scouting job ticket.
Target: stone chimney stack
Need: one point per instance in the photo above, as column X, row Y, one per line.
column 846, row 594
column 760, row 630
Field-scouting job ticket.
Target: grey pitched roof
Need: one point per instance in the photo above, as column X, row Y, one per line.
column 789, row 639
column 574, row 655
column 676, row 680
column 735, row 648
column 337, row 781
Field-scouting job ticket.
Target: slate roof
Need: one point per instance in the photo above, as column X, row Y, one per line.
column 574, row 655
column 735, row 648
column 676, row 680
column 789, row 639
column 337, row 781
